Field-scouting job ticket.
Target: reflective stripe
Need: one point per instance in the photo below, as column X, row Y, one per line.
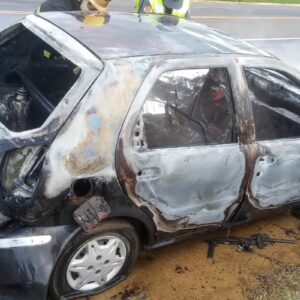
column 47, row 54
column 183, row 10
column 76, row 71
column 38, row 10
column 157, row 6
column 30, row 241
column 137, row 5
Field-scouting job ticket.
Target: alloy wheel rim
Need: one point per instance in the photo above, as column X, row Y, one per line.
column 95, row 263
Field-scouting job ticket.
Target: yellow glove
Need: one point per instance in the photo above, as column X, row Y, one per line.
column 94, row 20
column 100, row 5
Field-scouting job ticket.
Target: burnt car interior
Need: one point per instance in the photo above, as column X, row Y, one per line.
column 33, row 79
column 275, row 98
column 189, row 108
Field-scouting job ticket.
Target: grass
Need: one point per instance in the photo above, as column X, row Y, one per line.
column 283, row 285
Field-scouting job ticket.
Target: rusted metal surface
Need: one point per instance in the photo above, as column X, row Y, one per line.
column 273, row 165
column 176, row 201
column 143, row 172
column 97, row 122
column 91, row 213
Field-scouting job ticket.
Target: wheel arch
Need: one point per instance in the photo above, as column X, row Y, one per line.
column 145, row 230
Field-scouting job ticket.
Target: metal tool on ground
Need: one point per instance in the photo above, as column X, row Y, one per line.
column 245, row 244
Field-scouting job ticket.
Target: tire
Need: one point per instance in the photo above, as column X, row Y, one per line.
column 296, row 212
column 86, row 258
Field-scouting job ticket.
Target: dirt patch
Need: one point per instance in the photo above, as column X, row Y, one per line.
column 132, row 292
column 182, row 270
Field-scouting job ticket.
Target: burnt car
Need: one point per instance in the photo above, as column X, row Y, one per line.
column 128, row 131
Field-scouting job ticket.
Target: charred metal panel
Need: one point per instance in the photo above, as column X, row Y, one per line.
column 25, row 271
column 183, row 187
column 91, row 213
column 196, row 183
column 86, row 145
column 22, row 187
column 274, row 164
column 148, row 35
column 276, row 175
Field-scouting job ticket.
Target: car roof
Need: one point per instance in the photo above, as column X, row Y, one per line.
column 129, row 34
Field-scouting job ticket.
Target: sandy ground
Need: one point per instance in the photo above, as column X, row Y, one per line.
column 182, row 270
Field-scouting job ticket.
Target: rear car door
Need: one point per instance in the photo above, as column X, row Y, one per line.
column 178, row 153
column 274, row 93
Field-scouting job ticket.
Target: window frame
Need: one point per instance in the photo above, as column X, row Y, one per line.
column 170, row 63
column 90, row 65
column 266, row 63
column 230, row 104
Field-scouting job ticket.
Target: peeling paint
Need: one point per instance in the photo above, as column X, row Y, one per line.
column 192, row 183
column 97, row 122
column 276, row 176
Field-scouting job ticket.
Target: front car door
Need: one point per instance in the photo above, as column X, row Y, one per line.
column 178, row 153
column 274, row 94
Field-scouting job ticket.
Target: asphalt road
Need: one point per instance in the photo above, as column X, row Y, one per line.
column 274, row 28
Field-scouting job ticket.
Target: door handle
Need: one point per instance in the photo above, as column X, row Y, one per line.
column 148, row 174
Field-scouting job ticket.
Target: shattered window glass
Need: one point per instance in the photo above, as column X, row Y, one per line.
column 188, row 108
column 275, row 99
column 34, row 78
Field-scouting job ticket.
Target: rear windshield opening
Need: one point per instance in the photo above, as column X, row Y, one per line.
column 34, row 78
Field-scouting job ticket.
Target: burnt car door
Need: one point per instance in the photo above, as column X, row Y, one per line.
column 178, row 152
column 43, row 75
column 274, row 94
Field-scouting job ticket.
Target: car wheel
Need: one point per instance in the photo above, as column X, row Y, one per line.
column 93, row 262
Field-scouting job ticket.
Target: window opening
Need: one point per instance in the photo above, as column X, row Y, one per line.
column 275, row 100
column 187, row 108
column 34, row 78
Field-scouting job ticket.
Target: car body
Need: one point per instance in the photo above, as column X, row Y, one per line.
column 101, row 120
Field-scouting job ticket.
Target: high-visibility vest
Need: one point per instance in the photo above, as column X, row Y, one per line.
column 181, row 12
column 159, row 8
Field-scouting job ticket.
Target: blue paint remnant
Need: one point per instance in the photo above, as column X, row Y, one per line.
column 89, row 152
column 94, row 122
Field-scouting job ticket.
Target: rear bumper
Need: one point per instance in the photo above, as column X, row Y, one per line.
column 27, row 259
